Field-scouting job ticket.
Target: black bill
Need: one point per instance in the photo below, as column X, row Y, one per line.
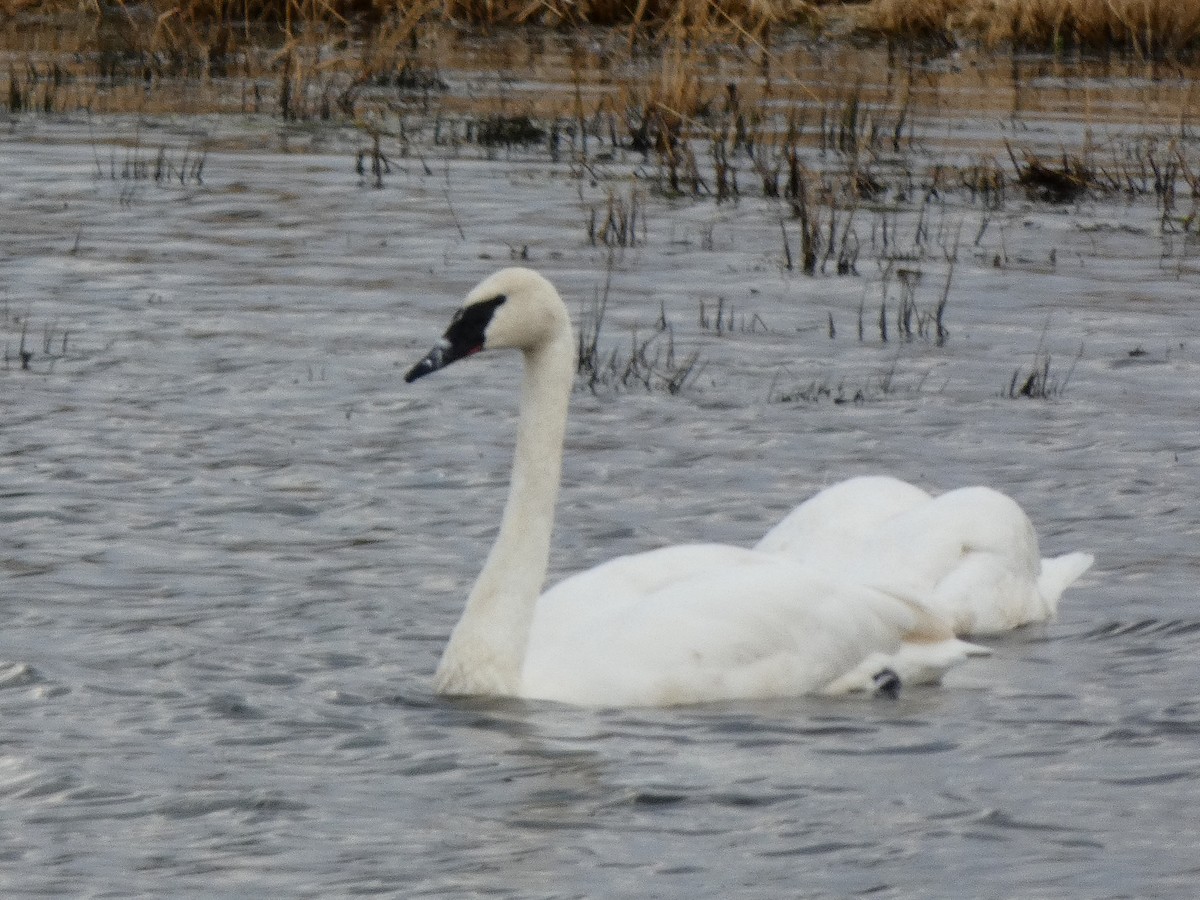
column 466, row 335
column 439, row 357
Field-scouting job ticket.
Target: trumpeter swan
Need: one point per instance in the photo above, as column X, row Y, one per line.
column 970, row 555
column 682, row 624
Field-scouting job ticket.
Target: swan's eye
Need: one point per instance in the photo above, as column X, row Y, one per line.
column 468, row 327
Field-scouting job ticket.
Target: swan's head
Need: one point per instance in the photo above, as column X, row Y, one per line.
column 514, row 308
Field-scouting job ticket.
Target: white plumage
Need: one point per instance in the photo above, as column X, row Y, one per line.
column 970, row 555
column 871, row 577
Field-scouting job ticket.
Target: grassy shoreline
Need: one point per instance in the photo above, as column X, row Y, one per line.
column 845, row 157
column 347, row 60
column 1147, row 29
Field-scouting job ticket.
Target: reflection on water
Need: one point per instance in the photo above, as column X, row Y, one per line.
column 233, row 540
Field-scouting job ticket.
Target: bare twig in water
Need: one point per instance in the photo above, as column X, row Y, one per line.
column 1039, row 382
column 651, row 362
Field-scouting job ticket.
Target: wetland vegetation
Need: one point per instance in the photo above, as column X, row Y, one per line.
column 881, row 142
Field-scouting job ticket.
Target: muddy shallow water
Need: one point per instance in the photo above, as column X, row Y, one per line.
column 234, row 541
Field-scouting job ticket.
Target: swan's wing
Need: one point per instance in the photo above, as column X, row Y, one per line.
column 821, row 529
column 969, row 556
column 736, row 624
column 973, row 558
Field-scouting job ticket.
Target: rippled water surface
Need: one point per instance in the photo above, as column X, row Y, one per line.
column 232, row 541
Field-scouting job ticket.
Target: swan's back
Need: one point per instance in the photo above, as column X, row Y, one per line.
column 970, row 555
column 833, row 523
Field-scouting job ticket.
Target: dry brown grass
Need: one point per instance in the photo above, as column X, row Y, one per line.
column 919, row 19
column 1146, row 28
column 318, row 59
column 313, row 46
column 1143, row 27
column 693, row 16
column 670, row 100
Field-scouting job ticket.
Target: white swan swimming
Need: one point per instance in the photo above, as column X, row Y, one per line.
column 970, row 555
column 682, row 624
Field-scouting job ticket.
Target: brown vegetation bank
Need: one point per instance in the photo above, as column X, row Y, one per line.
column 1145, row 28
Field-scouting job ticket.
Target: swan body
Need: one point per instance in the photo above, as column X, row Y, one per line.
column 970, row 555
column 683, row 624
column 700, row 622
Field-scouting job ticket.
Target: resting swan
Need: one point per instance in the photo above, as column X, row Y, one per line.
column 970, row 555
column 682, row 624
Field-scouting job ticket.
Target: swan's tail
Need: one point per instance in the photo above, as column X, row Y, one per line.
column 1058, row 573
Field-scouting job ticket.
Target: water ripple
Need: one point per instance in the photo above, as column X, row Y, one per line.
column 233, row 544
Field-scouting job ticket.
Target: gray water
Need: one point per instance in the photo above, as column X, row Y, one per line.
column 233, row 541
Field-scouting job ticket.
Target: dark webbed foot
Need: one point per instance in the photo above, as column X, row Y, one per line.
column 887, row 684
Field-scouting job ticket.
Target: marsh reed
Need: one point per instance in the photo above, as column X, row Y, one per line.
column 212, row 37
column 649, row 362
column 1141, row 26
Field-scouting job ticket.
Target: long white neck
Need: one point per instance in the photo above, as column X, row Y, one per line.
column 487, row 647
